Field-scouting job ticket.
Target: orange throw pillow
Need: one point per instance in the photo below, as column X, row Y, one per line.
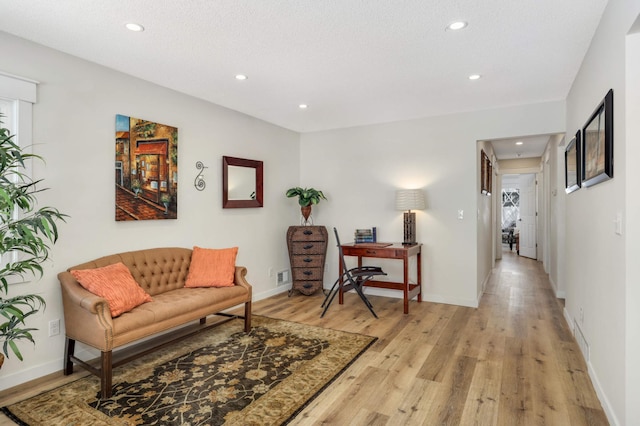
column 212, row 267
column 115, row 284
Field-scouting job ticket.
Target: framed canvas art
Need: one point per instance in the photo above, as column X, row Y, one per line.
column 486, row 171
column 146, row 170
column 572, row 164
column 597, row 134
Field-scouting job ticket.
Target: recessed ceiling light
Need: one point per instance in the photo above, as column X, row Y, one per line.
column 241, row 77
column 458, row 25
column 303, row 106
column 134, row 27
column 474, row 77
column 519, row 143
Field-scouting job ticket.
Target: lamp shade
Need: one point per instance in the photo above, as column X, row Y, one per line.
column 410, row 199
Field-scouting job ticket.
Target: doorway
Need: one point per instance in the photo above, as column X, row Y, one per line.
column 527, row 223
column 510, row 212
column 518, row 214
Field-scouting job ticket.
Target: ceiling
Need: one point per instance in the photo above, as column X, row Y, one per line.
column 531, row 146
column 353, row 62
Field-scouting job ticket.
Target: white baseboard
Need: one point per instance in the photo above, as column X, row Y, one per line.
column 38, row 371
column 606, row 405
column 426, row 297
column 554, row 287
column 269, row 293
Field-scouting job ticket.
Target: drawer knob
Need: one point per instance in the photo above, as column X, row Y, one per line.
column 307, row 232
column 308, row 273
column 308, row 246
column 371, row 252
column 307, row 260
column 307, row 285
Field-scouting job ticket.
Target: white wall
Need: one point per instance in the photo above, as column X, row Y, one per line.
column 596, row 258
column 74, row 120
column 632, row 337
column 360, row 168
column 486, row 220
column 554, row 170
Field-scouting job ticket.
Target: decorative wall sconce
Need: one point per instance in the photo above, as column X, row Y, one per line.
column 407, row 200
column 199, row 182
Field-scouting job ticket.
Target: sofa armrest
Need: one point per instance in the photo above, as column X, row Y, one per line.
column 83, row 312
column 240, row 280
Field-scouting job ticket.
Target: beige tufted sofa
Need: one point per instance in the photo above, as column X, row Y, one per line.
column 161, row 272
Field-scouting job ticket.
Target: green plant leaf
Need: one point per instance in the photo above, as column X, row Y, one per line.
column 24, row 230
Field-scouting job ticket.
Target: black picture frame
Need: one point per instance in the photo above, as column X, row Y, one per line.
column 573, row 164
column 486, row 171
column 597, row 144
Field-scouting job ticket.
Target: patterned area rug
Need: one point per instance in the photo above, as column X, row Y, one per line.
column 222, row 376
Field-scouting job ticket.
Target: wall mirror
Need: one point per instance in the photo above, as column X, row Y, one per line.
column 241, row 183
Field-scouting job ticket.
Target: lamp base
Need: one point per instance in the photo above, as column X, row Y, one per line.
column 409, row 228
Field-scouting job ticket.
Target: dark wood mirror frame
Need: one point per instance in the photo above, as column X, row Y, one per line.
column 241, row 162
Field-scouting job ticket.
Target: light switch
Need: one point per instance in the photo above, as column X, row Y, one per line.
column 618, row 224
column 460, row 214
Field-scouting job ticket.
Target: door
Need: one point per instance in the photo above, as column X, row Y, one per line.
column 527, row 221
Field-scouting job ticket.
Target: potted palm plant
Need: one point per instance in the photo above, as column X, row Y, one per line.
column 25, row 235
column 306, row 198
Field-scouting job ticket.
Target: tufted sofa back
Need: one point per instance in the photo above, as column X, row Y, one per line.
column 156, row 270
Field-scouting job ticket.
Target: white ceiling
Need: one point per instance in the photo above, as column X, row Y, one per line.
column 354, row 62
column 532, row 146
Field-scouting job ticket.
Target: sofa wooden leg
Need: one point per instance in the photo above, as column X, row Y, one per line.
column 107, row 371
column 247, row 317
column 203, row 321
column 69, row 348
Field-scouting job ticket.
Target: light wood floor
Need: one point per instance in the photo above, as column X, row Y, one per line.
column 512, row 361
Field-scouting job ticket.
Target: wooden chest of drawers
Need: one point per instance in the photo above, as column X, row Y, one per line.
column 307, row 250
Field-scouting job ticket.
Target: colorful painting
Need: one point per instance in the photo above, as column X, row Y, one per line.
column 146, row 170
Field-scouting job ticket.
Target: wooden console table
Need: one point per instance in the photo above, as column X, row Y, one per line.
column 390, row 251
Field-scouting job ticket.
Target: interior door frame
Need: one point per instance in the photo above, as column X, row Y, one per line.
column 498, row 228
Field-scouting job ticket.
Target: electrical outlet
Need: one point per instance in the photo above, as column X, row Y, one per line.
column 54, row 327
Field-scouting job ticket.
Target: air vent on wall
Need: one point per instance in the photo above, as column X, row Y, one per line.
column 582, row 342
column 283, row 277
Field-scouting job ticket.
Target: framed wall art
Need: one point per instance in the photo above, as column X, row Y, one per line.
column 597, row 144
column 486, row 171
column 573, row 164
column 146, row 170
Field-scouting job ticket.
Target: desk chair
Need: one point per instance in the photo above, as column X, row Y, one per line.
column 353, row 278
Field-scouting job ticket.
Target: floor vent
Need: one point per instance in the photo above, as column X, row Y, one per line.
column 283, row 277
column 582, row 342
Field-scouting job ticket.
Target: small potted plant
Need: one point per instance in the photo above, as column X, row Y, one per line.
column 306, row 198
column 135, row 186
column 165, row 199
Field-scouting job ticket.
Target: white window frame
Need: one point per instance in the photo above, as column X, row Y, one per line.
column 17, row 96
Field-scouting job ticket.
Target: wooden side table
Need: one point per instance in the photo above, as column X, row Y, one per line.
column 388, row 251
